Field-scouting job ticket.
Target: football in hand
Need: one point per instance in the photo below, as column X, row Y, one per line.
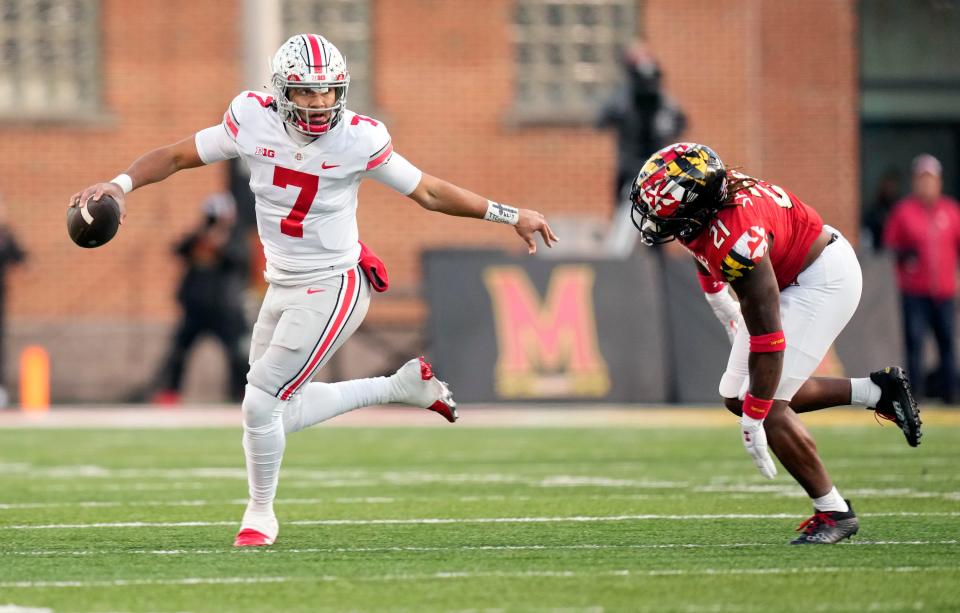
column 94, row 224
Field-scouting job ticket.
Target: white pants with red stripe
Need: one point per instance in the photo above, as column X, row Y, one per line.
column 813, row 313
column 300, row 328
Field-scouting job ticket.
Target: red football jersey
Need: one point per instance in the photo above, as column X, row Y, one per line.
column 740, row 235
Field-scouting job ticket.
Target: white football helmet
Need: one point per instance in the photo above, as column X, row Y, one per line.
column 309, row 60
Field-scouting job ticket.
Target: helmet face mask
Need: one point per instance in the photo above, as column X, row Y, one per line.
column 678, row 190
column 309, row 61
column 655, row 230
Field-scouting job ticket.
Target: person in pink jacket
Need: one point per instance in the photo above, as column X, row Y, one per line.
column 923, row 231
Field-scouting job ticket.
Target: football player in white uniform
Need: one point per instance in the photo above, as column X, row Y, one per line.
column 307, row 155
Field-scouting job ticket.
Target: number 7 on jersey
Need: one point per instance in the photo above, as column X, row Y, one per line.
column 308, row 184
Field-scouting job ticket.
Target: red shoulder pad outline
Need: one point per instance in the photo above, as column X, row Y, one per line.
column 264, row 102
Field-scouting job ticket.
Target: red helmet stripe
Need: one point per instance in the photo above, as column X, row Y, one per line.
column 318, row 60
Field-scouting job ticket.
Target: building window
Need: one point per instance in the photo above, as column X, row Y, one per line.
column 567, row 55
column 346, row 24
column 49, row 58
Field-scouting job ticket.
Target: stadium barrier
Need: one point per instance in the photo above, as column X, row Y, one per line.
column 508, row 329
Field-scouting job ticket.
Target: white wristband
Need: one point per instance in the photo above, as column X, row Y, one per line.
column 124, row 181
column 502, row 213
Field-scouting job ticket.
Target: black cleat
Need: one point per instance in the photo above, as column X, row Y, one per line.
column 827, row 527
column 897, row 403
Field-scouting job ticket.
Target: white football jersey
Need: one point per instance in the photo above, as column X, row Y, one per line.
column 306, row 192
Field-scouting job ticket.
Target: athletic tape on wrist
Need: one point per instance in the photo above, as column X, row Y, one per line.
column 124, row 181
column 768, row 343
column 710, row 285
column 757, row 408
column 502, row 213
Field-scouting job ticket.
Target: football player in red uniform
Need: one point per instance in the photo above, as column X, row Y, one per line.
column 798, row 283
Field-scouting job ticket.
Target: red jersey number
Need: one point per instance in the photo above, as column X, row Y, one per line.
column 358, row 118
column 264, row 102
column 308, row 184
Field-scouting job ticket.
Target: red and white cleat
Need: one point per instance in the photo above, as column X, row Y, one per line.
column 415, row 384
column 248, row 537
column 257, row 529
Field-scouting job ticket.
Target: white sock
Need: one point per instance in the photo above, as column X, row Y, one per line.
column 263, row 446
column 864, row 392
column 831, row 501
column 318, row 402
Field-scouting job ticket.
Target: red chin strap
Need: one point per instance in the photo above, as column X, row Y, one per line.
column 313, row 129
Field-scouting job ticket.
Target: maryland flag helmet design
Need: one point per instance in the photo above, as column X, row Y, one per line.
column 677, row 191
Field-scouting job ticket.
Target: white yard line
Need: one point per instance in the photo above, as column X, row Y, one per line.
column 93, row 504
column 560, row 574
column 413, row 549
column 96, row 477
column 792, row 491
column 464, row 520
column 332, row 478
column 141, row 582
column 380, row 500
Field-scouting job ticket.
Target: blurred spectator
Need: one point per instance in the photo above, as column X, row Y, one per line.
column 10, row 255
column 923, row 231
column 645, row 118
column 211, row 296
column 876, row 212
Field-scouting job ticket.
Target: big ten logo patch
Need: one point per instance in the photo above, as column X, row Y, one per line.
column 270, row 153
column 546, row 348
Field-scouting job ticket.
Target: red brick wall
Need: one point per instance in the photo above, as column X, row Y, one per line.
column 168, row 68
column 772, row 85
column 445, row 90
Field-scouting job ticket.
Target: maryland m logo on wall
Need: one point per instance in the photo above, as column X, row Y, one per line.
column 546, row 348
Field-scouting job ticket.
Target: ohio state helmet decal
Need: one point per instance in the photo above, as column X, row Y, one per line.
column 310, row 61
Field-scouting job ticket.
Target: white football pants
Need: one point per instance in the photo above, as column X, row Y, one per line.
column 297, row 331
column 813, row 313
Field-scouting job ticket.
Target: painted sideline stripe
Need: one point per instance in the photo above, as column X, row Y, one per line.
column 584, row 415
column 563, row 574
column 412, row 549
column 464, row 520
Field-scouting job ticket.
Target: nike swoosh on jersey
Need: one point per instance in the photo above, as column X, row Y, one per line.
column 326, row 166
column 311, row 290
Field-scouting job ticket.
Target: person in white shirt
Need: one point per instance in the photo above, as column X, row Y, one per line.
column 307, row 156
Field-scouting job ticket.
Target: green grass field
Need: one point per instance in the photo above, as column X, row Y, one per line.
column 472, row 519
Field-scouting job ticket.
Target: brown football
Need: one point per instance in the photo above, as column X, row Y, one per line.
column 95, row 224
